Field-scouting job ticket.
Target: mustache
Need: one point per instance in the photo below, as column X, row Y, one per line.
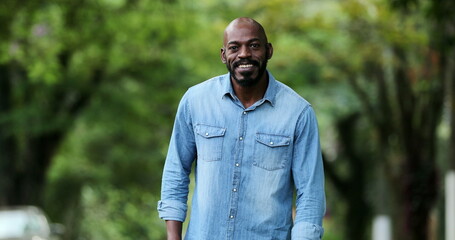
column 241, row 62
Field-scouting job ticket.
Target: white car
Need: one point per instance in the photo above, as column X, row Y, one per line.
column 23, row 223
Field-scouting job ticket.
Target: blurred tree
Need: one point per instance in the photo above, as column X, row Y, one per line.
column 40, row 93
column 408, row 81
column 55, row 56
column 352, row 184
column 421, row 99
column 111, row 67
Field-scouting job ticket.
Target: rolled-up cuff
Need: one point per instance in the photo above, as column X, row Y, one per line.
column 172, row 210
column 307, row 231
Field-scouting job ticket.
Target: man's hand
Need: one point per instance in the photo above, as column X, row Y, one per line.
column 174, row 230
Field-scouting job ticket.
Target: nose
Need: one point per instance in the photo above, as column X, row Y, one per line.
column 245, row 52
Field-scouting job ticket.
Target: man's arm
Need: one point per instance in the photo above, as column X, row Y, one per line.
column 174, row 230
column 174, row 187
column 308, row 174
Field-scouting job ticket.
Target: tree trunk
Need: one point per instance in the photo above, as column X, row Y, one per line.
column 450, row 75
column 354, row 186
column 419, row 115
column 26, row 155
column 417, row 193
column 5, row 147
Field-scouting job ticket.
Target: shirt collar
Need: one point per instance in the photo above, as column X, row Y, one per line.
column 269, row 95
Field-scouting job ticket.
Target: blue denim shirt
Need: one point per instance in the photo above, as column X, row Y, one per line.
column 248, row 163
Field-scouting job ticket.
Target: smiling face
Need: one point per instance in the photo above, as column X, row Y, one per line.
column 246, row 51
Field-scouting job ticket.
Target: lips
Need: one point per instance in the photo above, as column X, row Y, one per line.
column 245, row 66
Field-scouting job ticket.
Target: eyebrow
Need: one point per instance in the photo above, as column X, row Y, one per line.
column 250, row 40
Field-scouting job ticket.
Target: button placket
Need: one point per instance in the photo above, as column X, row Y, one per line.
column 236, row 176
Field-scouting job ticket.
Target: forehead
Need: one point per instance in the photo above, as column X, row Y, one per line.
column 243, row 32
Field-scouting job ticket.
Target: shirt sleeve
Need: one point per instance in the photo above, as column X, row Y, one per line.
column 177, row 168
column 308, row 176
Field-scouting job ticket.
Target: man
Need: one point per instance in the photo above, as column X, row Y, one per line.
column 254, row 141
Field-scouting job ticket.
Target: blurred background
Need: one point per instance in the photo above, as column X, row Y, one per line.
column 89, row 90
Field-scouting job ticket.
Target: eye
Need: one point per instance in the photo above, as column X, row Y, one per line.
column 255, row 45
column 233, row 48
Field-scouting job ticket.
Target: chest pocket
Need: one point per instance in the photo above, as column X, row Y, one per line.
column 271, row 152
column 209, row 142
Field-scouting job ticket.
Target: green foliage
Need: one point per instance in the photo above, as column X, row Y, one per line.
column 108, row 74
column 112, row 213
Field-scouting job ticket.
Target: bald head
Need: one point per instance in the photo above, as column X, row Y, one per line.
column 244, row 22
column 245, row 52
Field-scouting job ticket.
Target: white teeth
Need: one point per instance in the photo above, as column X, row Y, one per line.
column 245, row 65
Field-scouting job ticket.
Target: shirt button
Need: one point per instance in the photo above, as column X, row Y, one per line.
column 206, row 134
column 235, row 189
column 241, row 138
column 244, row 113
column 237, row 164
column 231, row 216
column 271, row 143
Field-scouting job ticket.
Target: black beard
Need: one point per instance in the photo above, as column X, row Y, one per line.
column 248, row 82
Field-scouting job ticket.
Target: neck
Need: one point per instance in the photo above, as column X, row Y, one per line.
column 248, row 95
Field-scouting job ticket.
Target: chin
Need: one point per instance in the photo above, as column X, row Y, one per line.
column 247, row 82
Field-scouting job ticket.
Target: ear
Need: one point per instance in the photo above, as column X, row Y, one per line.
column 269, row 50
column 223, row 55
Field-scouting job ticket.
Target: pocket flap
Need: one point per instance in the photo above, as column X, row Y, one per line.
column 209, row 131
column 273, row 140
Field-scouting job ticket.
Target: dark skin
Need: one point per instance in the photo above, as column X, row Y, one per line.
column 245, row 52
column 174, row 230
